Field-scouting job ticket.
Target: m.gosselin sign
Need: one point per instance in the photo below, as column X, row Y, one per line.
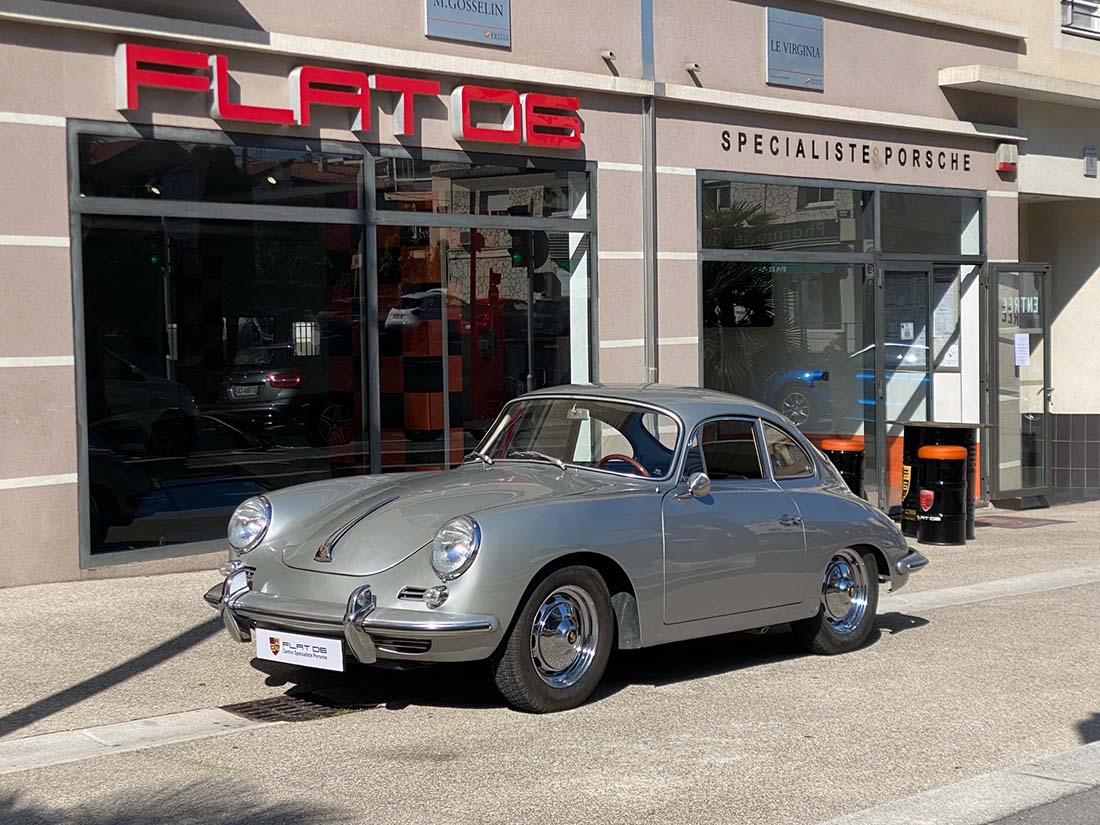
column 875, row 154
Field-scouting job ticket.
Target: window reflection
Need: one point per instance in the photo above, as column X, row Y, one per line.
column 793, row 336
column 466, row 327
column 463, row 189
column 176, row 170
column 222, row 361
column 750, row 215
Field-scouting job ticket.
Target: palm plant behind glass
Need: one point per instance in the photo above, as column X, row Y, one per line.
column 742, row 331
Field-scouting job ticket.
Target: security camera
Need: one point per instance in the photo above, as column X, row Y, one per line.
column 607, row 54
column 692, row 68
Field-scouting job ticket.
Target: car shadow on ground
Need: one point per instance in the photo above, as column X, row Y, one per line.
column 469, row 685
column 211, row 802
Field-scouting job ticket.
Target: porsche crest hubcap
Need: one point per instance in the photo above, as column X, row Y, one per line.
column 564, row 635
column 844, row 592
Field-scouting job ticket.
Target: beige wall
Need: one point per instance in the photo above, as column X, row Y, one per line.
column 1064, row 235
column 872, row 61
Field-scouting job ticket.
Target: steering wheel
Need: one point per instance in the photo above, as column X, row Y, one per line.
column 633, row 462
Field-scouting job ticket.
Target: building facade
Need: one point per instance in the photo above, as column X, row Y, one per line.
column 247, row 247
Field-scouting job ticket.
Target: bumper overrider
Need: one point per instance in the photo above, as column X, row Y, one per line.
column 243, row 609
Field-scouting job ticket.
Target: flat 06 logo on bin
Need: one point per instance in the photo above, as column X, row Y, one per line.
column 927, row 499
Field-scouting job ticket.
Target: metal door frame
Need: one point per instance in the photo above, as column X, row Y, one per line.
column 902, row 265
column 991, row 382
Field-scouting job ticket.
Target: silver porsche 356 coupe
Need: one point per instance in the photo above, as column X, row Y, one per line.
column 589, row 518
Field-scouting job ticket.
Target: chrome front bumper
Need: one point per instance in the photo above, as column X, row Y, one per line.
column 241, row 609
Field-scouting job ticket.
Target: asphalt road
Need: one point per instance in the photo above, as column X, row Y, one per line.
column 740, row 729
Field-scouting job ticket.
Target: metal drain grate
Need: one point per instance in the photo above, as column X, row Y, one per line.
column 301, row 708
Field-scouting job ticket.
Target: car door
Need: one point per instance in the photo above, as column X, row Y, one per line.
column 739, row 548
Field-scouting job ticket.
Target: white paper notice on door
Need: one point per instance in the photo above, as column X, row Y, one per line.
column 1023, row 349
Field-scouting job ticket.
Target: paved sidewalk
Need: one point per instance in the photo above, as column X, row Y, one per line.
column 963, row 677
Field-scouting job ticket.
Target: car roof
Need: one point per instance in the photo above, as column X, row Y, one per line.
column 690, row 403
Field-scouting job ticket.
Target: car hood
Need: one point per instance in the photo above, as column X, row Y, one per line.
column 393, row 516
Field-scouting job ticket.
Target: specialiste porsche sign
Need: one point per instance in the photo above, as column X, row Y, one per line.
column 527, row 118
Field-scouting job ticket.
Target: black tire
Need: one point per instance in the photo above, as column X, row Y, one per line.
column 822, row 634
column 797, row 402
column 518, row 677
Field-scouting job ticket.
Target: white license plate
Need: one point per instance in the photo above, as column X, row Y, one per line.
column 246, row 391
column 296, row 649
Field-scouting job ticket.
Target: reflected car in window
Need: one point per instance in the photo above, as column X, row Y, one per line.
column 588, row 518
column 280, row 393
column 806, row 393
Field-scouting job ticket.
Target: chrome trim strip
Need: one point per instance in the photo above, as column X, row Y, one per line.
column 324, row 552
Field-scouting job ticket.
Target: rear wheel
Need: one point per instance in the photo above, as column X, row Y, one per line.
column 849, row 600
column 559, row 645
column 335, row 425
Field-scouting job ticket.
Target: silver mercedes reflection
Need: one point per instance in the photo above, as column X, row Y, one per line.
column 589, row 518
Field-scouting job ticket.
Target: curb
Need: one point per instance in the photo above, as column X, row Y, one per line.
column 992, row 796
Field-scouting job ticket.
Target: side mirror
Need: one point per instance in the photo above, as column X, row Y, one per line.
column 698, row 486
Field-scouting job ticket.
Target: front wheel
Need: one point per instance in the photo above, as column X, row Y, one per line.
column 559, row 645
column 796, row 401
column 849, row 601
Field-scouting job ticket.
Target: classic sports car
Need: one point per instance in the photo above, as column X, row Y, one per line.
column 589, row 518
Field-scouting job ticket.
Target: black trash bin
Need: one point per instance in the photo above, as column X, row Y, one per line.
column 919, row 433
column 847, row 456
column 941, row 510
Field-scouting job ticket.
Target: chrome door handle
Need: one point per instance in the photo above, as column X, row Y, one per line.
column 791, row 521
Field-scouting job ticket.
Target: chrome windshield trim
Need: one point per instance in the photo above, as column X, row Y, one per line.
column 565, row 396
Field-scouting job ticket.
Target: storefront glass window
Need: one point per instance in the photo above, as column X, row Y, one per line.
column 796, row 336
column 930, row 224
column 743, row 215
column 132, row 167
column 465, row 327
column 222, row 361
column 229, row 355
column 455, row 188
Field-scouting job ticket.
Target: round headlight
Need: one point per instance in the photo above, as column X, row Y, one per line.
column 455, row 547
column 249, row 523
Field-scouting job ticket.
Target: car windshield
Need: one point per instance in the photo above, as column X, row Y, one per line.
column 583, row 432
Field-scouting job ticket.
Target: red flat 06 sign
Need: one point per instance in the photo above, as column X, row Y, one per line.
column 530, row 118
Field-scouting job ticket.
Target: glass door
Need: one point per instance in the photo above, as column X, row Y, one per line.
column 904, row 364
column 1019, row 387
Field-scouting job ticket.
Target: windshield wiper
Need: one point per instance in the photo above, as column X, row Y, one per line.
column 478, row 456
column 540, row 456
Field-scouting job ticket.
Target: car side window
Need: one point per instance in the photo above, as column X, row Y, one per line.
column 788, row 459
column 730, row 451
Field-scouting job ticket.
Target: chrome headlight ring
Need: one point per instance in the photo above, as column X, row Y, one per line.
column 248, row 524
column 455, row 547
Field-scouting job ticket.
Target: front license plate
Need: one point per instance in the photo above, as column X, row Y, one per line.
column 296, row 649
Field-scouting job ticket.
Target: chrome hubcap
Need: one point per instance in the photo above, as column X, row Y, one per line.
column 564, row 636
column 796, row 406
column 844, row 592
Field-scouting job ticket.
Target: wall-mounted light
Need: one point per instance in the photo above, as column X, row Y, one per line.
column 153, row 189
column 608, row 55
column 692, row 68
column 271, row 179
